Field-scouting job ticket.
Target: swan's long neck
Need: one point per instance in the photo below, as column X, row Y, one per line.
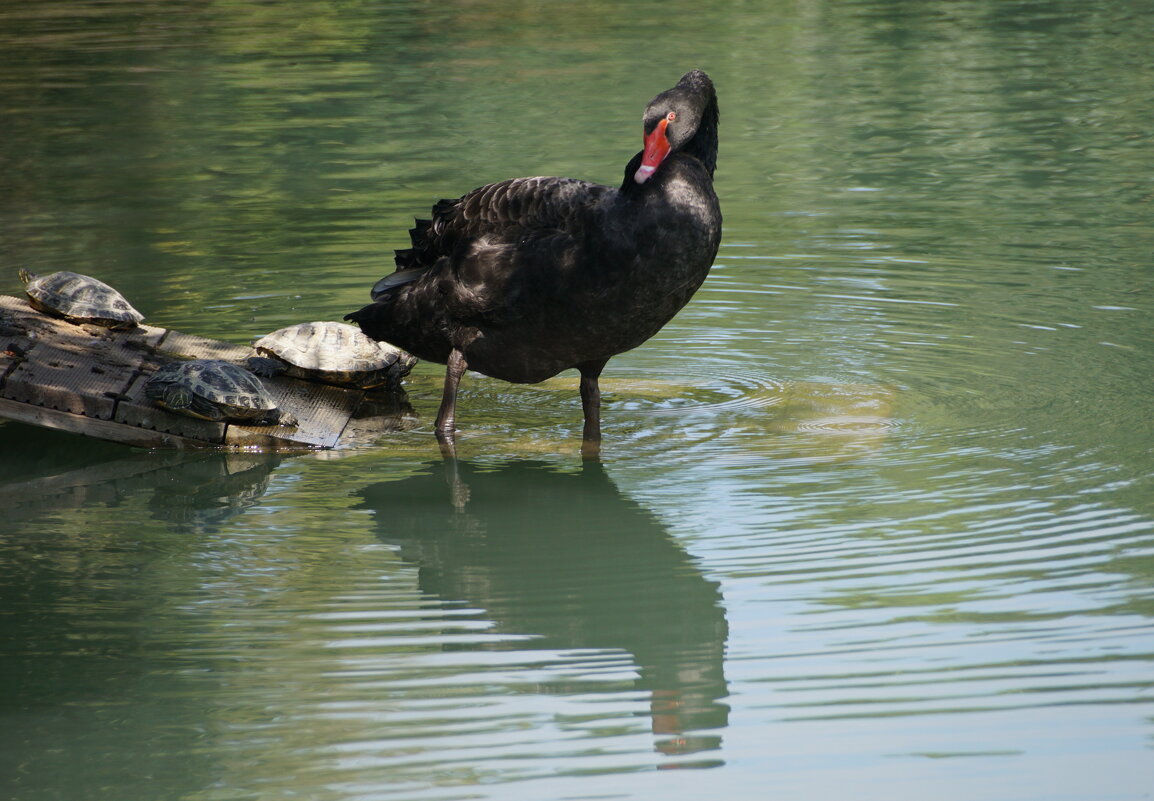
column 703, row 145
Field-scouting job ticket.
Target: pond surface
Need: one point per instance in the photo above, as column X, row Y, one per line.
column 875, row 511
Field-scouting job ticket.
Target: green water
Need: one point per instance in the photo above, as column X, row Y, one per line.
column 875, row 512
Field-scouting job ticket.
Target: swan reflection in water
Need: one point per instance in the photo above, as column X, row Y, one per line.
column 566, row 557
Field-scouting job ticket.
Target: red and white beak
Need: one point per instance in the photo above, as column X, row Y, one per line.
column 656, row 149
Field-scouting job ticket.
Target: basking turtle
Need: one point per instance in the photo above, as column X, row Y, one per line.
column 213, row 389
column 79, row 299
column 332, row 353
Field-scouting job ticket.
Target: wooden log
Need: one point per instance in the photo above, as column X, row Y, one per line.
column 90, row 380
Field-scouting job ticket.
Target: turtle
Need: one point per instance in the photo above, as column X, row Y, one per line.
column 331, row 353
column 214, row 389
column 80, row 299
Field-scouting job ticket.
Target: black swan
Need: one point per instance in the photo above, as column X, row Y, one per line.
column 522, row 279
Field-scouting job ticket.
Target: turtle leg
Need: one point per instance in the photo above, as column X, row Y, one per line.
column 208, row 411
column 179, row 399
column 198, row 407
column 264, row 366
column 279, row 417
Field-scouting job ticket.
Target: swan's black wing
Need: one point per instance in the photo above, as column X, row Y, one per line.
column 505, row 213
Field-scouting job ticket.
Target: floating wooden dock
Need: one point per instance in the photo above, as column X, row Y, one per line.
column 90, row 380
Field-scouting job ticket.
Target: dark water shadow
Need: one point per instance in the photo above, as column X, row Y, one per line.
column 567, row 558
column 92, row 706
column 189, row 491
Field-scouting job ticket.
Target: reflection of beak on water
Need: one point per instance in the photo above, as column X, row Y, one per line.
column 566, row 557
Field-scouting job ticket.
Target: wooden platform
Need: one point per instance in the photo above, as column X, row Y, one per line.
column 90, row 380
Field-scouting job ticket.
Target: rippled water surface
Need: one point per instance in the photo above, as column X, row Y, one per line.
column 874, row 516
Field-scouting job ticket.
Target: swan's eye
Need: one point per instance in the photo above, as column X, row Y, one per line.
column 671, row 116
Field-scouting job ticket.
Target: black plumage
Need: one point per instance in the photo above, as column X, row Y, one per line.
column 522, row 279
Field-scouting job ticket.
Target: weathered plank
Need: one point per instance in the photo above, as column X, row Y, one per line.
column 90, row 427
column 321, row 412
column 176, row 345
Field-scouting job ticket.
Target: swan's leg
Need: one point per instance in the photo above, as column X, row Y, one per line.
column 447, row 415
column 591, row 406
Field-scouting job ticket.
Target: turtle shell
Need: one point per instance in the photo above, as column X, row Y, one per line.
column 212, row 389
column 79, row 299
column 336, row 353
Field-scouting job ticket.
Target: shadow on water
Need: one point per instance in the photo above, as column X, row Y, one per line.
column 565, row 557
column 89, row 700
column 192, row 492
